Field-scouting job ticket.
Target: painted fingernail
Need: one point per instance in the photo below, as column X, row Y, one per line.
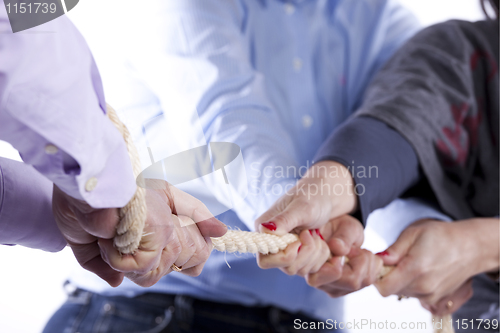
column 317, row 231
column 382, row 254
column 311, row 231
column 320, row 235
column 269, row 225
column 300, row 246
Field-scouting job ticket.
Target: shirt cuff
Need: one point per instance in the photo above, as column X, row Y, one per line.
column 26, row 208
column 390, row 221
column 382, row 163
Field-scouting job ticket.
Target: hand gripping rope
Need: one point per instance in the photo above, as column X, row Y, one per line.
column 133, row 216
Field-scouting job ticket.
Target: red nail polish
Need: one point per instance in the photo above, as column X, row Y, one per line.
column 317, row 231
column 311, row 231
column 269, row 225
column 383, row 254
column 320, row 235
column 300, row 246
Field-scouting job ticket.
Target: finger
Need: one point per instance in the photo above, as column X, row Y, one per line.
column 296, row 214
column 397, row 251
column 281, row 259
column 451, row 303
column 355, row 275
column 89, row 257
column 275, row 209
column 306, row 254
column 141, row 262
column 330, row 272
column 398, row 279
column 314, row 261
column 198, row 249
column 345, row 233
column 193, row 208
column 376, row 266
column 195, row 266
column 99, row 222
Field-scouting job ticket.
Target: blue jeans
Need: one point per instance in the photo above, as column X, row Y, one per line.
column 86, row 312
column 481, row 313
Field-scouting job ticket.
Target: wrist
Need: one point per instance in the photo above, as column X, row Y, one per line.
column 337, row 184
column 482, row 237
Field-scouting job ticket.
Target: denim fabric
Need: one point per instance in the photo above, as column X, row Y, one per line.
column 481, row 313
column 86, row 312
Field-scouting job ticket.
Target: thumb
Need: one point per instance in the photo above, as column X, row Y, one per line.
column 297, row 214
column 212, row 227
column 397, row 251
column 99, row 222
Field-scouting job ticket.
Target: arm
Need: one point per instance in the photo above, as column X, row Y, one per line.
column 51, row 111
column 382, row 163
column 434, row 261
column 208, row 47
column 221, row 97
column 26, row 208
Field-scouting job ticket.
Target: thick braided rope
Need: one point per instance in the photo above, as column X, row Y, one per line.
column 252, row 242
column 255, row 242
column 133, row 215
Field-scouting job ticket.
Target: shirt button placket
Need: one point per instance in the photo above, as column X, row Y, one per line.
column 289, row 8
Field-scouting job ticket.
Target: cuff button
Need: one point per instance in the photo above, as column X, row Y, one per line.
column 51, row 149
column 91, row 184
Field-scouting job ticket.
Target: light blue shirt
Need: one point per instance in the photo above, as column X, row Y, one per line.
column 275, row 78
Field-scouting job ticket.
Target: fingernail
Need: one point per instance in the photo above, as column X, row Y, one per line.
column 269, row 225
column 382, row 254
column 342, row 261
column 320, row 235
column 300, row 246
column 311, row 231
column 317, row 231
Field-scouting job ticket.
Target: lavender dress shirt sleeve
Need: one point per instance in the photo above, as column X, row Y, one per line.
column 25, row 208
column 52, row 111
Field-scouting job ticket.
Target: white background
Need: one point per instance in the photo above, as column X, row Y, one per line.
column 31, row 280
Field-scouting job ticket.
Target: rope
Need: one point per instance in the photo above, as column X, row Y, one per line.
column 133, row 217
column 252, row 242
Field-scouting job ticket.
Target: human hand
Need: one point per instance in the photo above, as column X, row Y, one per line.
column 324, row 193
column 167, row 238
column 434, row 259
column 450, row 303
column 313, row 253
column 338, row 278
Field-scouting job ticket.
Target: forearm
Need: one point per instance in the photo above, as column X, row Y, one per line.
column 485, row 233
column 26, row 208
column 382, row 163
column 52, row 111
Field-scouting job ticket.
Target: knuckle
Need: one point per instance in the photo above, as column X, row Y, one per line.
column 354, row 283
column 303, row 271
column 174, row 248
column 312, row 280
column 383, row 291
column 195, row 271
column 424, row 287
column 289, row 270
